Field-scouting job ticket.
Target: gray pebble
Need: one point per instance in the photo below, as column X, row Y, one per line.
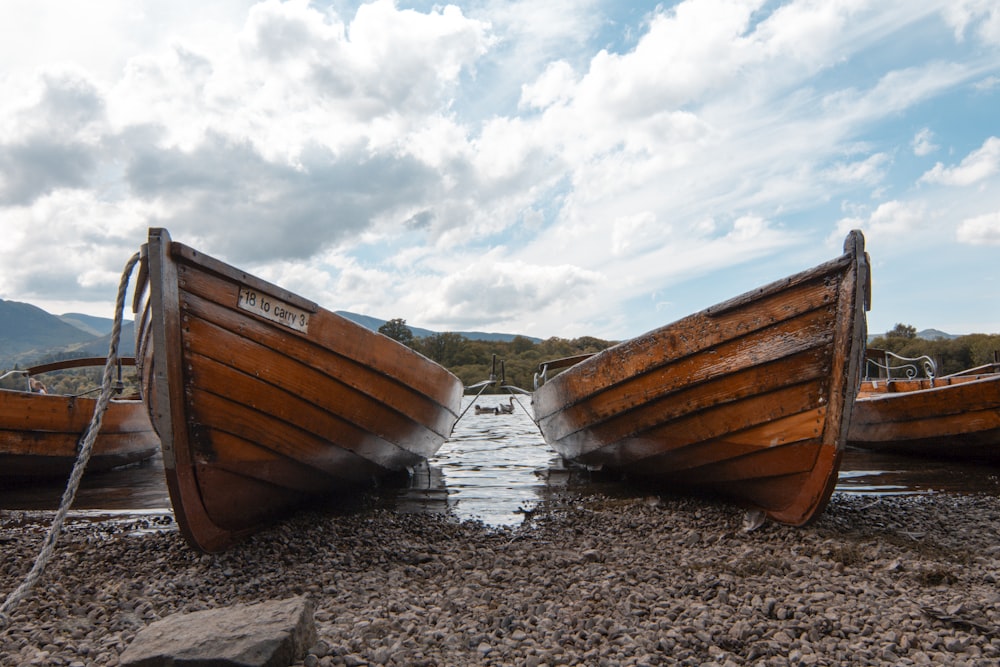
column 591, row 580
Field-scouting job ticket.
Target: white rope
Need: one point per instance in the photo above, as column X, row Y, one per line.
column 87, row 444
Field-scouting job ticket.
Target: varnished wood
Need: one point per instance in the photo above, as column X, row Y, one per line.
column 257, row 417
column 68, row 364
column 40, row 433
column 751, row 397
column 955, row 417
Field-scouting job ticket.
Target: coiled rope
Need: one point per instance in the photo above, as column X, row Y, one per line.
column 86, row 446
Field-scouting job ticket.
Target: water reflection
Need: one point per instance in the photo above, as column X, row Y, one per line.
column 494, row 468
column 140, row 486
column 871, row 473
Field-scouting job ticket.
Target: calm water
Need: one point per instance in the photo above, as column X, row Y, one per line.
column 496, row 467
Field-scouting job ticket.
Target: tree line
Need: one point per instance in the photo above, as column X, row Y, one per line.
column 951, row 355
column 472, row 360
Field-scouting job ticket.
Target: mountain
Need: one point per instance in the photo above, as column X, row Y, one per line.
column 95, row 326
column 25, row 328
column 926, row 334
column 934, row 334
column 29, row 334
column 374, row 323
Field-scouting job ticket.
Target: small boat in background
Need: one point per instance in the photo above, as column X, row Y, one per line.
column 953, row 416
column 750, row 398
column 40, row 432
column 263, row 400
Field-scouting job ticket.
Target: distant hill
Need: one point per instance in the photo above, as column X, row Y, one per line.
column 934, row 334
column 29, row 334
column 374, row 323
column 98, row 347
column 926, row 334
column 95, row 326
column 25, row 328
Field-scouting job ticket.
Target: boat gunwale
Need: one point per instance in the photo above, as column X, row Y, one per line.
column 682, row 389
column 260, row 338
column 229, row 273
column 651, row 339
column 816, row 273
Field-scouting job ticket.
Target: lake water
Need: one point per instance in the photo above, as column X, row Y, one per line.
column 496, row 467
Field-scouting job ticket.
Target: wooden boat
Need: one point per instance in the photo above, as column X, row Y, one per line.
column 39, row 432
column 953, row 416
column 263, row 400
column 750, row 398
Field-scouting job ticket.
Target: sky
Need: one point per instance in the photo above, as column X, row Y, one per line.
column 542, row 167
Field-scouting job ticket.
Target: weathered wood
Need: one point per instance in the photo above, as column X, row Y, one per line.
column 955, row 417
column 269, row 399
column 751, row 397
column 67, row 364
column 40, row 433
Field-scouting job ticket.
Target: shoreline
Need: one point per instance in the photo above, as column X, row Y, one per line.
column 586, row 579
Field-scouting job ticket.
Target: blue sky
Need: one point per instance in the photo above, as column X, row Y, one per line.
column 551, row 168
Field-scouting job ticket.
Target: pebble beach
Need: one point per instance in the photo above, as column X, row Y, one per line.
column 584, row 580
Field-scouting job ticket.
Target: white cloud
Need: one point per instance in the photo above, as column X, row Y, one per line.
column 977, row 166
column 892, row 221
column 636, row 233
column 554, row 86
column 980, row 230
column 483, row 162
column 987, row 84
column 869, row 170
column 983, row 16
column 923, row 143
column 493, row 290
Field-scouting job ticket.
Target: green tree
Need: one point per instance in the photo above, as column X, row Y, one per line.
column 443, row 348
column 397, row 330
column 903, row 331
column 951, row 355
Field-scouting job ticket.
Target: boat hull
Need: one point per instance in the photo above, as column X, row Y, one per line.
column 263, row 400
column 750, row 398
column 40, row 433
column 955, row 418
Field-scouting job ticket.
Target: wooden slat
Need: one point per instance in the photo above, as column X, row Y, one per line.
column 752, row 397
column 329, row 332
column 692, row 335
column 261, row 415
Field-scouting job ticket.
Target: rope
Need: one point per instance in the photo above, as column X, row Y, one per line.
column 485, row 385
column 521, row 405
column 87, row 444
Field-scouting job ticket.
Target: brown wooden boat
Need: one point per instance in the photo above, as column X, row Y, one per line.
column 750, row 398
column 39, row 432
column 264, row 400
column 954, row 416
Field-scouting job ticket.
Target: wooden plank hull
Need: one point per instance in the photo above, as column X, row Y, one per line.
column 751, row 398
column 956, row 417
column 263, row 400
column 39, row 434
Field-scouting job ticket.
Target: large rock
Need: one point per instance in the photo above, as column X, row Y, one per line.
column 268, row 634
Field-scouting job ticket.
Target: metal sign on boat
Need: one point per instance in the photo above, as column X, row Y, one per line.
column 273, row 309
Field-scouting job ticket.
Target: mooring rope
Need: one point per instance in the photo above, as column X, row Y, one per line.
column 519, row 403
column 87, row 444
column 485, row 385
